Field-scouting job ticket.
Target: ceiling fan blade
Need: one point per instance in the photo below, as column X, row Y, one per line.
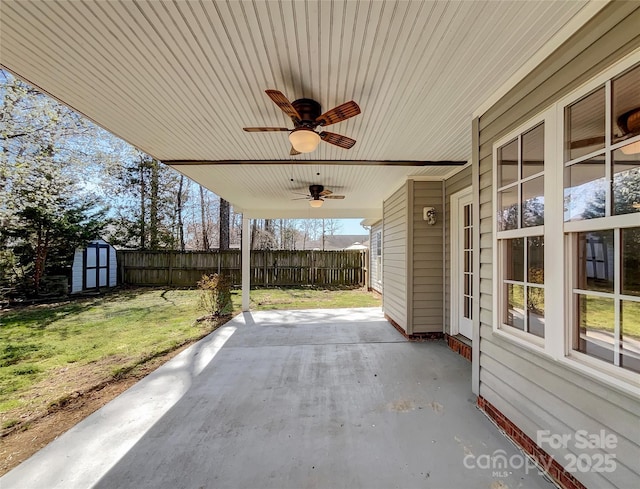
column 294, row 151
column 334, row 196
column 585, row 143
column 339, row 113
column 284, row 104
column 265, row 129
column 337, row 139
column 326, row 192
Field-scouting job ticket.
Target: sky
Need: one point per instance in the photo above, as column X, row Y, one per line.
column 352, row 226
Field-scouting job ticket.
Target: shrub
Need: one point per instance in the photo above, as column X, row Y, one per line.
column 215, row 295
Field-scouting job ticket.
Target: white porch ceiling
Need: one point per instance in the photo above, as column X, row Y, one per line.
column 179, row 79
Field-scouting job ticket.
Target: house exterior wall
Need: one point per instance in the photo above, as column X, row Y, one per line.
column 426, row 255
column 395, row 230
column 456, row 183
column 375, row 258
column 530, row 388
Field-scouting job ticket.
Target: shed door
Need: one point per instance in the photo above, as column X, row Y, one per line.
column 462, row 264
column 96, row 266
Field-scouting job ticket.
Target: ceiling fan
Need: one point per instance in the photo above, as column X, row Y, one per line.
column 317, row 194
column 306, row 116
column 629, row 124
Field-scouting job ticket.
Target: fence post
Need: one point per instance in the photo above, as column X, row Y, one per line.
column 312, row 272
column 171, row 268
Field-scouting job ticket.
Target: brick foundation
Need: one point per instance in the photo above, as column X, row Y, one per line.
column 555, row 471
column 416, row 336
column 458, row 346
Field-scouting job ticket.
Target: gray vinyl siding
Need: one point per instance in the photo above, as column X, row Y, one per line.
column 456, row 183
column 374, row 283
column 427, row 252
column 533, row 391
column 394, row 264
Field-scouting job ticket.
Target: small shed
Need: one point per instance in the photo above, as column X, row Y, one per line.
column 94, row 267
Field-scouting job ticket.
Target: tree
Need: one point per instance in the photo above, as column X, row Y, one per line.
column 143, row 193
column 45, row 214
column 225, row 209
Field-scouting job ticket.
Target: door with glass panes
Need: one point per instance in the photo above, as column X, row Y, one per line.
column 462, row 263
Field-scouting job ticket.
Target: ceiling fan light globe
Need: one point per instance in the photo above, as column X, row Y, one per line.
column 304, row 140
column 631, row 149
column 316, row 202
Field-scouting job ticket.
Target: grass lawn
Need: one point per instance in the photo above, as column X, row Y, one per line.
column 599, row 314
column 49, row 352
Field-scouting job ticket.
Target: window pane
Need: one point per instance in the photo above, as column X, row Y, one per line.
column 533, row 202
column 630, row 332
column 508, row 163
column 535, row 310
column 508, row 209
column 585, row 125
column 535, row 259
column 533, row 151
column 631, row 261
column 595, row 320
column 585, row 190
column 626, row 180
column 596, row 261
column 467, row 215
column 514, row 259
column 514, row 313
column 626, row 94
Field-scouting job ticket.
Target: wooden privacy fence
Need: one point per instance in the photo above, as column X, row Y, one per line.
column 281, row 267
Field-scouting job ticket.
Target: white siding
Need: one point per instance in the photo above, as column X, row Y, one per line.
column 76, row 271
column 532, row 390
column 113, row 267
column 394, row 264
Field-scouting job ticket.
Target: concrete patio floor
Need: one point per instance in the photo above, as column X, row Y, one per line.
column 289, row 399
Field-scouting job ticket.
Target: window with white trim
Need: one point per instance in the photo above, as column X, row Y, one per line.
column 519, row 170
column 602, row 221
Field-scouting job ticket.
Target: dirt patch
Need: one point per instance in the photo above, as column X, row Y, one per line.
column 40, row 425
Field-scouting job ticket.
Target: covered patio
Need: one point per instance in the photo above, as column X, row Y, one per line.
column 290, row 399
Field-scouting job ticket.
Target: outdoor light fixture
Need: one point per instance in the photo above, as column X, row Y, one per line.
column 316, row 202
column 429, row 215
column 304, row 140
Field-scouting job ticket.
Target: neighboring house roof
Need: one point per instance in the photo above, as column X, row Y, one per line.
column 336, row 242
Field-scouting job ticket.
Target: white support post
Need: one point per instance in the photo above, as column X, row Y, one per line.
column 246, row 263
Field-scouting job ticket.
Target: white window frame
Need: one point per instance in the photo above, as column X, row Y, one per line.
column 593, row 366
column 510, row 333
column 559, row 266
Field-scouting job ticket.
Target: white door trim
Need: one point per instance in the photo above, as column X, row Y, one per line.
column 454, row 234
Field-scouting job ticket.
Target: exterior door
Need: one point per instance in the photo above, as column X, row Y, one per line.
column 96, row 266
column 462, row 263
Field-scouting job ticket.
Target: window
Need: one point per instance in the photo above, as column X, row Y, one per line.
column 520, row 212
column 602, row 220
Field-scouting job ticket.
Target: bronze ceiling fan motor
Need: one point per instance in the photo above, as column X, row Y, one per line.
column 309, row 110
